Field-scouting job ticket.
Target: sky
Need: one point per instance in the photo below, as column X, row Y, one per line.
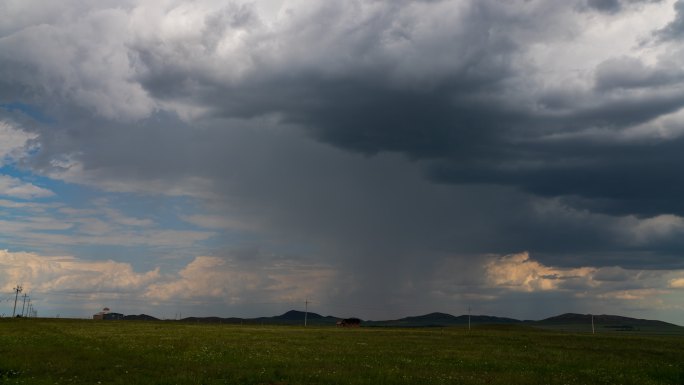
column 376, row 158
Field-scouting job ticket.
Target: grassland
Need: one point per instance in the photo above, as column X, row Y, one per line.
column 41, row 351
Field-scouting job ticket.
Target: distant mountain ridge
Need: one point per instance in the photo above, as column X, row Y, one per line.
column 605, row 322
column 443, row 319
column 600, row 320
column 567, row 321
column 297, row 315
column 140, row 317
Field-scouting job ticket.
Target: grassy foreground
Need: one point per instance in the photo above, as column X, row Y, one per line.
column 41, row 351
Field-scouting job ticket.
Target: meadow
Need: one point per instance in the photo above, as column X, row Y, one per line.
column 59, row 351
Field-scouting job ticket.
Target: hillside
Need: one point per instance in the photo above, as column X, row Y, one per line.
column 442, row 319
column 566, row 322
column 292, row 317
column 140, row 317
column 296, row 317
column 605, row 322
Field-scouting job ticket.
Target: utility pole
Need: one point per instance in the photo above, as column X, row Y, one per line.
column 468, row 318
column 23, row 305
column 17, row 290
column 592, row 325
column 306, row 310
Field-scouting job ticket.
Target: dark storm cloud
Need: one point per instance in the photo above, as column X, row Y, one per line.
column 627, row 73
column 446, row 85
column 605, row 5
column 354, row 211
column 471, row 142
column 446, row 98
column 421, row 124
column 642, row 178
column 613, row 6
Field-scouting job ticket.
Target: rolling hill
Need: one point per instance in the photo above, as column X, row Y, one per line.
column 442, row 319
column 565, row 322
column 604, row 322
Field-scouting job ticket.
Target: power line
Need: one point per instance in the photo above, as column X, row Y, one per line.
column 17, row 290
column 306, row 310
column 23, row 305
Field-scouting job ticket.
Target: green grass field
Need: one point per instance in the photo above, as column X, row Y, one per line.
column 42, row 351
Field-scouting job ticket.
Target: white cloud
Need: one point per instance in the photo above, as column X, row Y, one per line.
column 235, row 281
column 520, row 273
column 205, row 277
column 82, row 59
column 677, row 283
column 16, row 188
column 13, row 142
column 46, row 226
column 53, row 274
column 204, row 280
column 644, row 230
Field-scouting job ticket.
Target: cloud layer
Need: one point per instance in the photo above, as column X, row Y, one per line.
column 474, row 91
column 274, row 282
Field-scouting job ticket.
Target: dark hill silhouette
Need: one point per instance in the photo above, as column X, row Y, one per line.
column 431, row 317
column 296, row 315
column 567, row 321
column 604, row 322
column 443, row 319
column 140, row 317
column 572, row 318
column 217, row 320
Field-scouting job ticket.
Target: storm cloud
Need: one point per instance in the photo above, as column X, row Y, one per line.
column 380, row 141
